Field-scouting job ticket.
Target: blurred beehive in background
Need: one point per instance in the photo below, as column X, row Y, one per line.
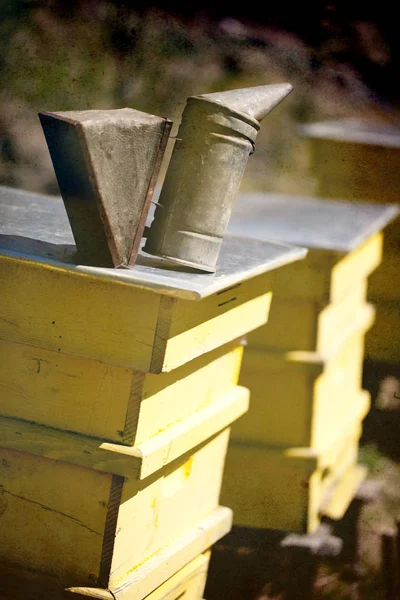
column 357, row 160
column 304, row 368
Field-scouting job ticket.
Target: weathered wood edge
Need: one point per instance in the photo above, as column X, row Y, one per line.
column 339, row 495
column 113, row 505
column 137, row 462
column 317, row 361
column 157, row 569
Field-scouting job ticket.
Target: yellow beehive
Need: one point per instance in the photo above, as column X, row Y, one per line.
column 355, row 159
column 302, row 398
column 344, row 240
column 84, row 527
column 352, row 159
column 320, row 297
column 188, row 584
column 308, row 325
column 290, row 488
column 106, row 401
column 147, row 318
column 304, row 367
column 308, row 359
column 117, row 394
column 129, row 326
column 345, row 247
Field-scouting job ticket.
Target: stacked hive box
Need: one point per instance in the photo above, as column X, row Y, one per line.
column 357, row 160
column 117, row 392
column 304, row 368
column 187, row 583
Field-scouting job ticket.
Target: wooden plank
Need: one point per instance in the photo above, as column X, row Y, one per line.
column 312, row 391
column 337, row 499
column 308, row 325
column 326, row 275
column 195, row 329
column 118, row 323
column 189, row 582
column 155, row 511
column 357, row 265
column 105, row 401
column 64, row 391
column 169, row 398
column 182, row 437
column 284, row 488
column 137, row 462
column 52, row 517
column 79, row 518
column 77, row 314
column 70, row 448
column 159, row 568
column 340, row 315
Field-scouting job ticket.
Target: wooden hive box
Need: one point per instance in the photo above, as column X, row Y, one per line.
column 308, row 325
column 110, row 402
column 314, row 341
column 291, row 488
column 114, row 427
column 313, row 302
column 302, row 398
column 187, row 584
column 147, row 318
column 304, row 368
column 66, row 525
column 99, row 381
column 357, row 160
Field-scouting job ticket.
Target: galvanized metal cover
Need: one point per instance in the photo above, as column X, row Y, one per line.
column 311, row 222
column 34, row 225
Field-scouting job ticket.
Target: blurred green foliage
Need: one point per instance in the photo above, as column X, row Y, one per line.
column 103, row 54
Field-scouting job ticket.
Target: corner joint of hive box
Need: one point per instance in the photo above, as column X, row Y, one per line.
column 85, row 592
column 304, row 453
column 133, row 451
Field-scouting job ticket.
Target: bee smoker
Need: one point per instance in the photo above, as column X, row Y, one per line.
column 106, row 163
column 215, row 139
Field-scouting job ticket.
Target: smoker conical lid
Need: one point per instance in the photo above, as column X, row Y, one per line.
column 256, row 102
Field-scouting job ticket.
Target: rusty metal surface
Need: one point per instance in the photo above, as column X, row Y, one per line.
column 309, row 222
column 106, row 163
column 215, row 139
column 36, row 226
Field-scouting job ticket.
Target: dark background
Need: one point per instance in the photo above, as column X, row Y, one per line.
column 341, row 58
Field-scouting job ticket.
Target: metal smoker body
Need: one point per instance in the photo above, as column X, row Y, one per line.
column 216, row 137
column 106, row 163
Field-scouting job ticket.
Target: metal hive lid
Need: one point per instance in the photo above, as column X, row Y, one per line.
column 315, row 223
column 354, row 131
column 36, row 227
